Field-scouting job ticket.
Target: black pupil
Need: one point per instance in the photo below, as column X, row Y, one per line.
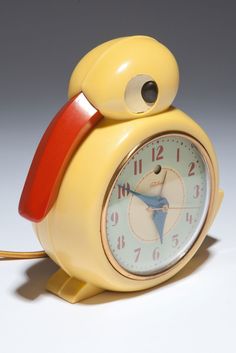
column 157, row 169
column 149, row 91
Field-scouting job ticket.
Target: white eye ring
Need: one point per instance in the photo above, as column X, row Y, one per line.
column 133, row 96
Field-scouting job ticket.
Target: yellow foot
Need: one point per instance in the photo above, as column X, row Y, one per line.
column 71, row 289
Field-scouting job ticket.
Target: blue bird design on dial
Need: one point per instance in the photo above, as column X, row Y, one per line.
column 158, row 204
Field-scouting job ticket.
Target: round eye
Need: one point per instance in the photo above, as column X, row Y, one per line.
column 141, row 93
column 149, row 92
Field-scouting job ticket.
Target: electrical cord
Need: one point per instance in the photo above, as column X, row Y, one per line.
column 22, row 255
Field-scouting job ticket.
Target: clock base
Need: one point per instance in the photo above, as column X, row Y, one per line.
column 71, row 289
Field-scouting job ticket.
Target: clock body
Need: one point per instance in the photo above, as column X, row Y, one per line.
column 100, row 232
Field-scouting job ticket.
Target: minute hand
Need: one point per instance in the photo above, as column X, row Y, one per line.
column 150, row 201
column 163, row 183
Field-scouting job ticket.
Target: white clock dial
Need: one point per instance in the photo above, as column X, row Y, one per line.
column 157, row 205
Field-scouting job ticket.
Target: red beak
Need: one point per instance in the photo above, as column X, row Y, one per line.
column 55, row 150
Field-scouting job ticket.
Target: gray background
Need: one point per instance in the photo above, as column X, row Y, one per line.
column 40, row 43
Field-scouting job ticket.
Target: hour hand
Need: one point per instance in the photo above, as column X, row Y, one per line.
column 159, row 218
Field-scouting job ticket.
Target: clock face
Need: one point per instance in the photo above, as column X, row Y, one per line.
column 157, row 205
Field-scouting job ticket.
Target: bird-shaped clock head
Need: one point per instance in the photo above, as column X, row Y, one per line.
column 133, row 77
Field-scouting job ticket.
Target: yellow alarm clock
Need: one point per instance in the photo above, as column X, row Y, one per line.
column 123, row 187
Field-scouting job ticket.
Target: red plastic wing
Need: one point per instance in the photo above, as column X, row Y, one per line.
column 55, row 150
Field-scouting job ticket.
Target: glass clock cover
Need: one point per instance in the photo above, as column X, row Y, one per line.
column 157, row 205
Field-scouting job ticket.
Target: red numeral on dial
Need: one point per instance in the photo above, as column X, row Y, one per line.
column 155, row 254
column 177, row 155
column 157, row 154
column 175, row 240
column 196, row 191
column 137, row 251
column 138, row 166
column 121, row 242
column 189, row 218
column 191, row 169
column 114, row 218
column 123, row 190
